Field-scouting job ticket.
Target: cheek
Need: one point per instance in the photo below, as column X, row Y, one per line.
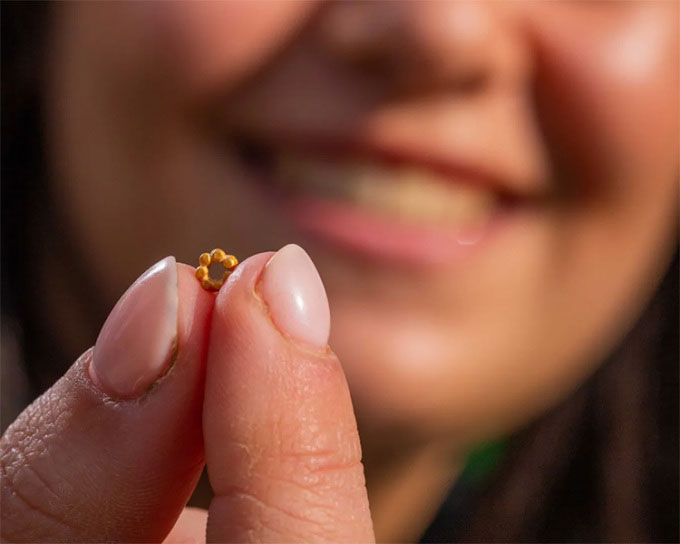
column 607, row 86
column 212, row 45
column 180, row 47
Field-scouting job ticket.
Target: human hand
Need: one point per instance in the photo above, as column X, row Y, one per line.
column 114, row 449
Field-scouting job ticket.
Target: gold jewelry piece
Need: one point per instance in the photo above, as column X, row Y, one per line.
column 216, row 256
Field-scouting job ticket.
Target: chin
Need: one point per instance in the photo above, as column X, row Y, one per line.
column 400, row 373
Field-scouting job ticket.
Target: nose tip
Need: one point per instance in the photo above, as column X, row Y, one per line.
column 458, row 44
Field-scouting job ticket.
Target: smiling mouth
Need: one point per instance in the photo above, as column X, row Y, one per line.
column 374, row 204
column 395, row 190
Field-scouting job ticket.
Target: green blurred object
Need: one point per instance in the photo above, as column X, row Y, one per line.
column 483, row 459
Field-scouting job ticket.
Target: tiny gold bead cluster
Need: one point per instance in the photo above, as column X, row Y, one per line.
column 216, row 256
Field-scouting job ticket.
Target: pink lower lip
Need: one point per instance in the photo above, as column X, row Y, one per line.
column 358, row 231
column 350, row 228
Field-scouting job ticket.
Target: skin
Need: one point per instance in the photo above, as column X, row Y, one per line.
column 578, row 97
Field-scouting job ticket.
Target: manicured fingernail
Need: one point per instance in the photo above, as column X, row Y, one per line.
column 136, row 344
column 292, row 288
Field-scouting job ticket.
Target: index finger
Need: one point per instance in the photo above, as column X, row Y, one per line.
column 112, row 451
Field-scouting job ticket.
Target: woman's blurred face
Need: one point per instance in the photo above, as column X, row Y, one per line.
column 489, row 189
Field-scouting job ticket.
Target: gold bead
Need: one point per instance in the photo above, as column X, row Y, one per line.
column 229, row 262
column 217, row 255
column 207, row 284
column 202, row 272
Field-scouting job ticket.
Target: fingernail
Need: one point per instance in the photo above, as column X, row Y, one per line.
column 137, row 341
column 292, row 288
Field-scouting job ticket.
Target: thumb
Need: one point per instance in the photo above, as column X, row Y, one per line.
column 281, row 440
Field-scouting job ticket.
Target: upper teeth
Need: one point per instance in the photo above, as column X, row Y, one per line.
column 408, row 193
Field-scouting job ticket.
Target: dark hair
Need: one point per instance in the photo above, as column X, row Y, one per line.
column 602, row 466
column 22, row 42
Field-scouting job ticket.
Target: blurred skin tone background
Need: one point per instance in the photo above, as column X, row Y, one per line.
column 489, row 191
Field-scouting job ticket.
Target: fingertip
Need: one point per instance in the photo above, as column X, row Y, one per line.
column 188, row 286
column 296, row 298
column 136, row 343
column 242, row 282
column 192, row 297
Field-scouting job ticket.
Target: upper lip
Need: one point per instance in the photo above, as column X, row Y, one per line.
column 363, row 148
